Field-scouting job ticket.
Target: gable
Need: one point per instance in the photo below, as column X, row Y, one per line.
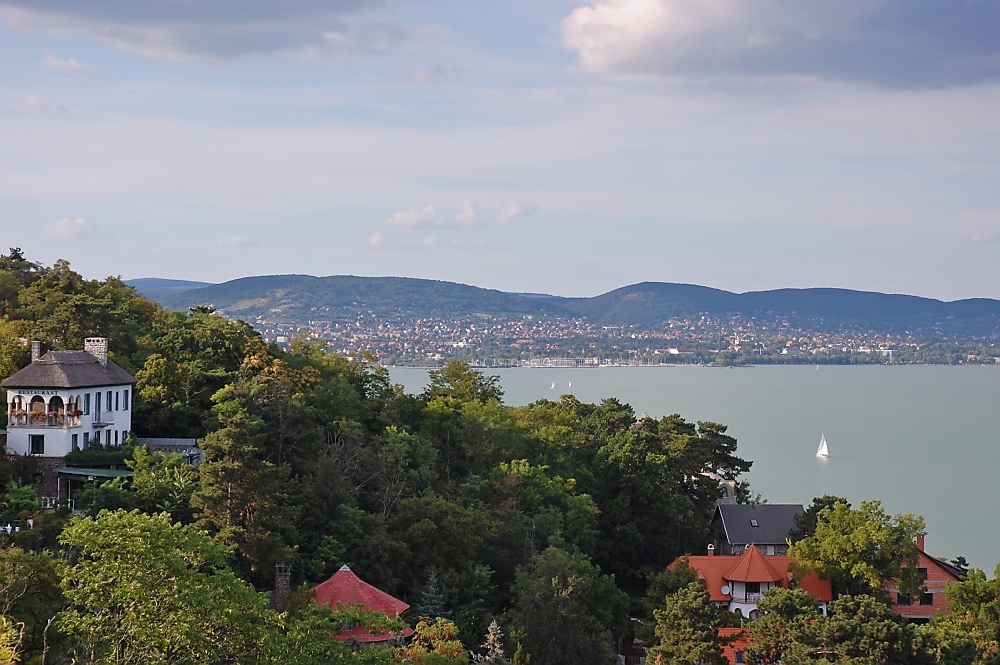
column 773, row 522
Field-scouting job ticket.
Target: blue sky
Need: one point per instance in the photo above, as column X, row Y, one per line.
column 562, row 146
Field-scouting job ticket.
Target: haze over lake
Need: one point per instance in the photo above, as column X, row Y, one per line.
column 922, row 439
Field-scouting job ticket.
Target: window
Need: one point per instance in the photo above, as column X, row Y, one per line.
column 76, row 442
column 97, row 403
column 927, row 599
column 86, row 404
column 107, row 438
column 116, row 437
column 753, row 587
column 108, row 403
column 902, row 599
column 923, row 573
column 36, row 443
column 754, row 523
column 739, row 658
column 116, row 400
column 86, row 439
column 125, row 400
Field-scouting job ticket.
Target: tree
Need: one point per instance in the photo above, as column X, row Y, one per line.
column 862, row 550
column 431, row 601
column 975, row 611
column 30, row 597
column 784, row 631
column 805, row 523
column 863, row 630
column 456, row 379
column 562, row 604
column 493, row 646
column 163, row 483
column 10, row 642
column 144, row 590
column 688, row 629
column 242, row 497
column 434, row 642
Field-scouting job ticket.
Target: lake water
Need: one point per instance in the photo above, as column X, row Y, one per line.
column 921, row 439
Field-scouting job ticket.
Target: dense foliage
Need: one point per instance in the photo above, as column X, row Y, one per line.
column 545, row 524
column 539, row 516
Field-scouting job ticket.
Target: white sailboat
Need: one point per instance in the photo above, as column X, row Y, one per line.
column 823, row 450
column 570, row 384
column 553, row 385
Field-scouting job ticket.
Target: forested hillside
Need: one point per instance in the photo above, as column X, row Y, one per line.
column 642, row 306
column 555, row 520
column 317, row 460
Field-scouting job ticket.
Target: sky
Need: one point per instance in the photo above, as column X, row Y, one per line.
column 560, row 146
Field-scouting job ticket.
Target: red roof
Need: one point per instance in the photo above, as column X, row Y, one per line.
column 741, row 643
column 345, row 589
column 714, row 571
column 753, row 567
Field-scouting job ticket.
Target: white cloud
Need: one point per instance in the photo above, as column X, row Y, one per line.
column 376, row 240
column 428, row 241
column 890, row 42
column 236, row 241
column 51, row 63
column 222, row 30
column 468, row 215
column 70, row 227
column 985, row 237
column 36, row 104
column 415, row 218
column 514, row 210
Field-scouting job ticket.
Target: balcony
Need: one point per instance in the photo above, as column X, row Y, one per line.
column 753, row 597
column 40, row 419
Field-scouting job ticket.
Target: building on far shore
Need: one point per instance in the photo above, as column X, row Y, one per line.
column 65, row 401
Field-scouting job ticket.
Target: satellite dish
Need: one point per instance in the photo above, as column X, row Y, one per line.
column 725, row 589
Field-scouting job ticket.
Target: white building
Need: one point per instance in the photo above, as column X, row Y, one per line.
column 68, row 400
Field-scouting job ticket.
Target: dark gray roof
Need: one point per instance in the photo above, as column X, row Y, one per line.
column 68, row 369
column 774, row 522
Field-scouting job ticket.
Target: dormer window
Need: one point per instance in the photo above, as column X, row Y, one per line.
column 754, row 523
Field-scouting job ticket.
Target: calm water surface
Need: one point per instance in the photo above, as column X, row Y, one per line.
column 921, row 439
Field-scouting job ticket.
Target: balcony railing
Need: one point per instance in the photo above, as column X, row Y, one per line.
column 39, row 419
column 754, row 597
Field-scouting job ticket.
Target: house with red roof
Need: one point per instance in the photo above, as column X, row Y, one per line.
column 937, row 576
column 738, row 583
column 345, row 589
column 738, row 641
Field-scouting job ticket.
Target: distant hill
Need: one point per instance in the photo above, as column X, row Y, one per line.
column 299, row 297
column 296, row 298
column 158, row 289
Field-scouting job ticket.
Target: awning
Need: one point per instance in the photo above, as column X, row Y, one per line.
column 82, row 473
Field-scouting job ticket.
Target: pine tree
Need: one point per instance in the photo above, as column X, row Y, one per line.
column 432, row 601
column 493, row 646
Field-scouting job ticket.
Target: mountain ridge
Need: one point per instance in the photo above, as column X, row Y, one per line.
column 641, row 305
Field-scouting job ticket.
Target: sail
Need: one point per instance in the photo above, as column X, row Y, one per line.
column 823, row 450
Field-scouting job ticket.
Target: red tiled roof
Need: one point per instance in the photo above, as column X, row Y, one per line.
column 714, row 570
column 345, row 589
column 741, row 643
column 753, row 567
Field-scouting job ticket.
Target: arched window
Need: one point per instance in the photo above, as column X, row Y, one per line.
column 57, row 412
column 37, row 410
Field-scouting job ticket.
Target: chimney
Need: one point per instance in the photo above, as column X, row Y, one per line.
column 920, row 542
column 36, row 351
column 711, row 549
column 97, row 347
column 282, row 583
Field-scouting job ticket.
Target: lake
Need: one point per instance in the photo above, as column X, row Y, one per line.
column 922, row 439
